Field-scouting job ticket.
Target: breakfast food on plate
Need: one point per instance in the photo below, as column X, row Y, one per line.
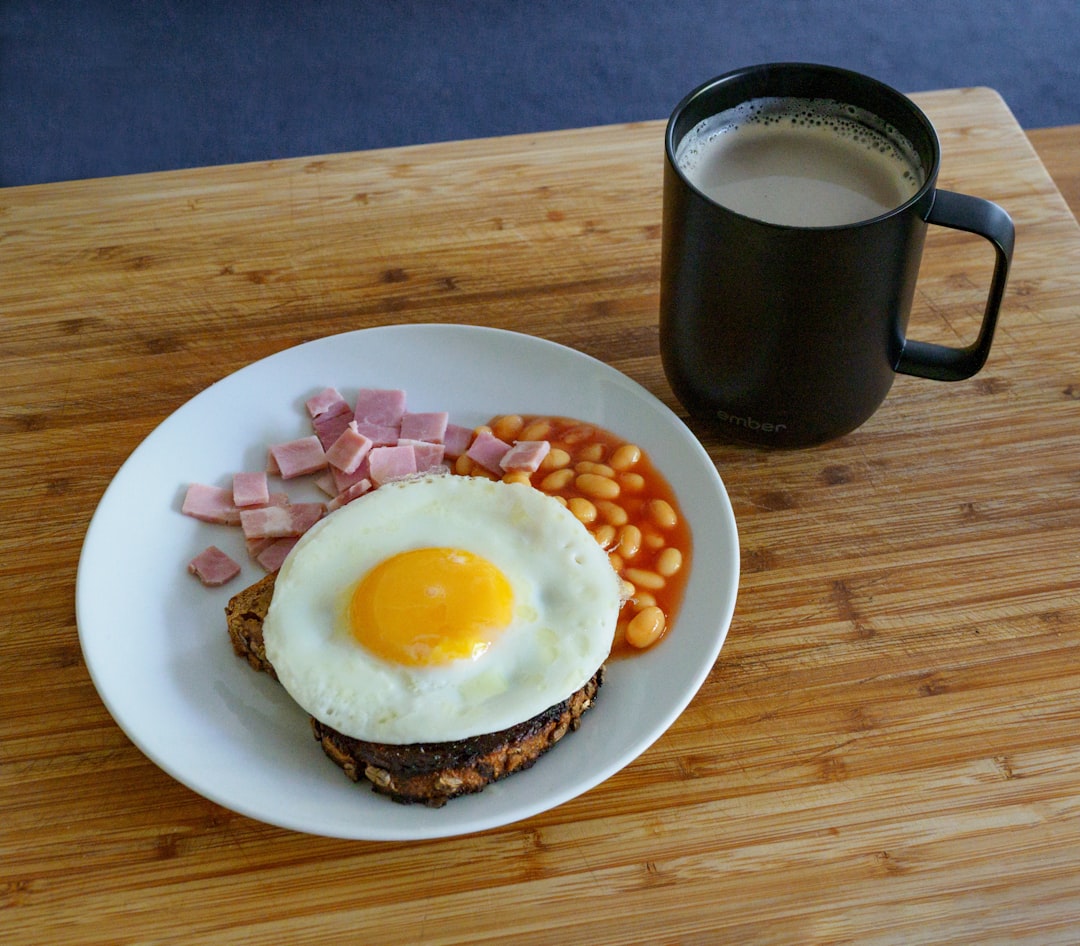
column 428, row 772
column 442, row 632
column 445, row 615
column 440, row 607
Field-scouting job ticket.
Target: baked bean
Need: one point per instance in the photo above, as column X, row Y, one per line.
column 596, row 486
column 645, row 627
column 632, row 482
column 553, row 482
column 605, row 535
column 661, row 512
column 517, row 476
column 508, row 427
column 590, row 466
column 555, row 459
column 669, row 562
column 584, row 510
column 629, row 541
column 538, row 430
column 642, row 578
column 593, row 452
column 625, row 456
column 463, row 465
column 628, row 590
column 612, row 512
column 643, row 599
column 652, row 540
column 616, row 561
column 578, row 434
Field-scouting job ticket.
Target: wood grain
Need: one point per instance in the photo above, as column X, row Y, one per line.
column 885, row 750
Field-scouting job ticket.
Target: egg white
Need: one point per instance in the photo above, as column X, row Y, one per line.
column 566, row 604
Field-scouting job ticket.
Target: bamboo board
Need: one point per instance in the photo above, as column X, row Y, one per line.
column 885, row 750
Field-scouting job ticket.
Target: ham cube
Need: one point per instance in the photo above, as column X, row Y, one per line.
column 342, row 480
column 391, row 463
column 346, row 496
column 525, row 456
column 383, row 408
column 210, row 504
column 297, row 457
column 250, row 489
column 279, row 522
column 325, row 482
column 380, row 435
column 213, row 567
column 456, row 440
column 275, row 553
column 349, row 449
column 327, row 403
column 328, row 427
column 429, row 456
column 488, row 450
column 255, row 547
column 428, row 427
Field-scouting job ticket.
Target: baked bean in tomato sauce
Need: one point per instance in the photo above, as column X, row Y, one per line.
column 612, row 487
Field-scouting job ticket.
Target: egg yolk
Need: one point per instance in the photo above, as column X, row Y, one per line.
column 431, row 606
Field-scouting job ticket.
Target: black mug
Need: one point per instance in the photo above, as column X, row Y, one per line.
column 779, row 325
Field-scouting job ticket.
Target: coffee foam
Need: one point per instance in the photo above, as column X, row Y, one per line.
column 845, row 121
column 801, row 162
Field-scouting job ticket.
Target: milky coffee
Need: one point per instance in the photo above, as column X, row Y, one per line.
column 801, row 162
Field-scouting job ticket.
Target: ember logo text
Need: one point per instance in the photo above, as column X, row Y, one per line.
column 749, row 423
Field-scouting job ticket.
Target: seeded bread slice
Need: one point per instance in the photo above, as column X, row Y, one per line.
column 244, row 618
column 429, row 773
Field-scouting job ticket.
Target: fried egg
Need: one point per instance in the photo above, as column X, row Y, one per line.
column 439, row 608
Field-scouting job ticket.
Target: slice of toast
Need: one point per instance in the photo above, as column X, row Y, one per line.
column 430, row 773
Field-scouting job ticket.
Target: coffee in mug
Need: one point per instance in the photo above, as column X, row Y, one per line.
column 796, row 203
column 800, row 162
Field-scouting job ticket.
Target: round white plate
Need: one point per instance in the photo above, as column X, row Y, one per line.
column 155, row 642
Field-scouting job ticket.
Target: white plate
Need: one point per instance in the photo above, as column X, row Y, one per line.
column 154, row 639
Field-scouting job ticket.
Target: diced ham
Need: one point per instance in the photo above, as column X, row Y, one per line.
column 380, row 435
column 210, row 504
column 325, row 482
column 255, row 547
column 346, row 496
column 326, row 403
column 456, row 440
column 250, row 489
column 428, row 456
column 297, row 457
column 391, row 463
column 271, row 464
column 213, row 567
column 383, row 408
column 349, row 449
column 488, row 450
column 342, row 480
column 328, row 427
column 525, row 456
column 275, row 522
column 275, row 553
column 429, row 427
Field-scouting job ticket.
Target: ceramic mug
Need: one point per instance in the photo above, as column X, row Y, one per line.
column 796, row 203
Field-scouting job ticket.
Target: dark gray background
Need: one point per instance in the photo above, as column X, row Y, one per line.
column 107, row 87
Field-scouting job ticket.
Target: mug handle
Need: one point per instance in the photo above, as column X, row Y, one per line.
column 988, row 220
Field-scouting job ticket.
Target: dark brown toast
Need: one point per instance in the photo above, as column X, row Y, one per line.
column 429, row 773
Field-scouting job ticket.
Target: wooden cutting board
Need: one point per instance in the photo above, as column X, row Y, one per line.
column 884, row 752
